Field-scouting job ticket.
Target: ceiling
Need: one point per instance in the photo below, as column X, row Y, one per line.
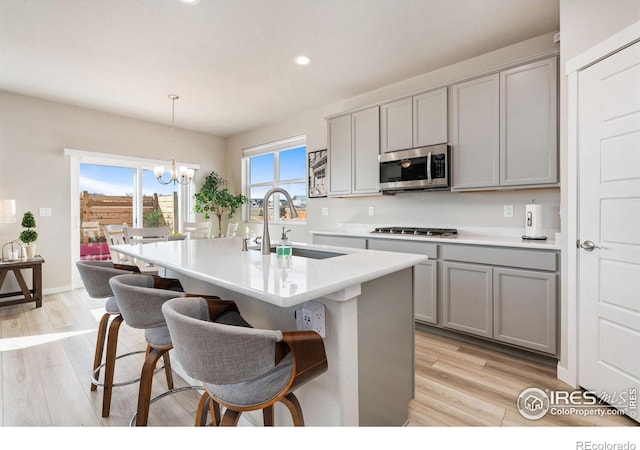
column 231, row 61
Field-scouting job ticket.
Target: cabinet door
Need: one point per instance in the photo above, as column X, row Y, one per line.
column 339, row 154
column 430, row 118
column 397, row 125
column 467, row 298
column 528, row 124
column 476, row 133
column 525, row 307
column 365, row 129
column 425, row 292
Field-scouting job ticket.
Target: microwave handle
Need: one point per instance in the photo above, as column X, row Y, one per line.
column 429, row 179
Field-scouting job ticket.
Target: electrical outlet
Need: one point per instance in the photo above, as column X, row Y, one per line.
column 325, row 211
column 372, row 211
column 508, row 211
column 311, row 317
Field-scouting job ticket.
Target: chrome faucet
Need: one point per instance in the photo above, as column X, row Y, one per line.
column 265, row 243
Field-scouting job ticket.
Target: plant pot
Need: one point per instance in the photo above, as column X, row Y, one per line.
column 30, row 251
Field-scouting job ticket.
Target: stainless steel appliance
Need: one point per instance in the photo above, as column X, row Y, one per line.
column 415, row 169
column 438, row 232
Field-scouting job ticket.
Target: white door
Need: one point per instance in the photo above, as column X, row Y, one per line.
column 609, row 228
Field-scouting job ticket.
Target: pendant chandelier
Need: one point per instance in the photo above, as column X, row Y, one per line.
column 179, row 175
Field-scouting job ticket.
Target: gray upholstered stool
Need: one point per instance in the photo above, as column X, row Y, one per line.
column 95, row 276
column 242, row 369
column 140, row 305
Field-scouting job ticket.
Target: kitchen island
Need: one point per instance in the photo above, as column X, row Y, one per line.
column 369, row 317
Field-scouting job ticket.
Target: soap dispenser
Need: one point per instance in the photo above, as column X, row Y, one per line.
column 283, row 248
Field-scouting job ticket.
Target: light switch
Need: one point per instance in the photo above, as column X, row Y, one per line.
column 325, row 211
column 45, row 212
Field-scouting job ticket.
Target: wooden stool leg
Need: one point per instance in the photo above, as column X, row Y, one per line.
column 146, row 380
column 110, row 363
column 292, row 403
column 102, row 334
column 230, row 418
column 167, row 369
column 267, row 416
column 207, row 405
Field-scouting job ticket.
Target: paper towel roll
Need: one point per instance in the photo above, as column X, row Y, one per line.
column 533, row 221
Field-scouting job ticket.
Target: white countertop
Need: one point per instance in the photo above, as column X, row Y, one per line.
column 269, row 278
column 471, row 237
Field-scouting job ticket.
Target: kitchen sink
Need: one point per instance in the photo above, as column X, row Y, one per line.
column 307, row 253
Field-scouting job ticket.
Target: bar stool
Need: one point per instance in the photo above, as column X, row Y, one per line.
column 242, row 369
column 95, row 276
column 141, row 307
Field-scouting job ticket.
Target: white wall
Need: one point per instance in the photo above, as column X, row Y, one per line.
column 448, row 209
column 34, row 172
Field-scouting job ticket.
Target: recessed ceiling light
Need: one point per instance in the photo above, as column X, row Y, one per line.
column 302, row 60
column 189, row 2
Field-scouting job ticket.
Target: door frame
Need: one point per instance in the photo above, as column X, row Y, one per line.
column 568, row 365
column 76, row 157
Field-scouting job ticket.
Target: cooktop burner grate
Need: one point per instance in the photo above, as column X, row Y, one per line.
column 417, row 231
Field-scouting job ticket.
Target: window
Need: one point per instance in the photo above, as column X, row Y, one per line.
column 280, row 164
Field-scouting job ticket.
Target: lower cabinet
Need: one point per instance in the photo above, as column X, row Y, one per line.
column 425, row 275
column 340, row 241
column 508, row 305
column 467, row 298
column 524, row 308
column 425, row 292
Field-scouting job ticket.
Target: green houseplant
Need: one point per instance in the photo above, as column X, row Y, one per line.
column 214, row 198
column 29, row 235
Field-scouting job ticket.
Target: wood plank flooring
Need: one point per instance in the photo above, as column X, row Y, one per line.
column 46, row 356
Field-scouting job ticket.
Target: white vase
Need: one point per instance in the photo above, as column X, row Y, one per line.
column 30, row 250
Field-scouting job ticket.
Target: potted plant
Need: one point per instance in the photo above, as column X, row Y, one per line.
column 214, row 198
column 29, row 236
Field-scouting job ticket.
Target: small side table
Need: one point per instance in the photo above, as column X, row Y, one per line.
column 28, row 295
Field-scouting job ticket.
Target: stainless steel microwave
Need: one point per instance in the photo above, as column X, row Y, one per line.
column 415, row 169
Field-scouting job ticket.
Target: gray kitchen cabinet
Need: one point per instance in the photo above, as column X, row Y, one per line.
column 524, row 309
column 528, row 124
column 340, row 241
column 353, row 149
column 425, row 275
column 475, row 138
column 416, row 121
column 506, row 294
column 430, row 118
column 504, row 128
column 467, row 298
column 339, row 155
column 396, row 120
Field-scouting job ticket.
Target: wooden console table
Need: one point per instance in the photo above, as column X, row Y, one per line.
column 28, row 295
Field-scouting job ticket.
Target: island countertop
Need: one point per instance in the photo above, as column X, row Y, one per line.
column 283, row 282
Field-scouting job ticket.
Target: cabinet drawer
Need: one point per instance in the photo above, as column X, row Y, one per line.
column 511, row 257
column 340, row 241
column 400, row 246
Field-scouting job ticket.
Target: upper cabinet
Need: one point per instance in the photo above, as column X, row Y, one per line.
column 504, row 130
column 476, row 133
column 415, row 121
column 529, row 124
column 354, row 146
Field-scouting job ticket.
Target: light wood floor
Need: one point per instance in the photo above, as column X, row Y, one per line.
column 46, row 356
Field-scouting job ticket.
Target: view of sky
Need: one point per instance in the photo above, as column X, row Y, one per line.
column 108, row 180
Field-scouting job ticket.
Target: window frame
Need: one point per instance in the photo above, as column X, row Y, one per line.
column 274, row 148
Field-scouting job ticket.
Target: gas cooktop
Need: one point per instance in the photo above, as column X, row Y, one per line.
column 440, row 232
